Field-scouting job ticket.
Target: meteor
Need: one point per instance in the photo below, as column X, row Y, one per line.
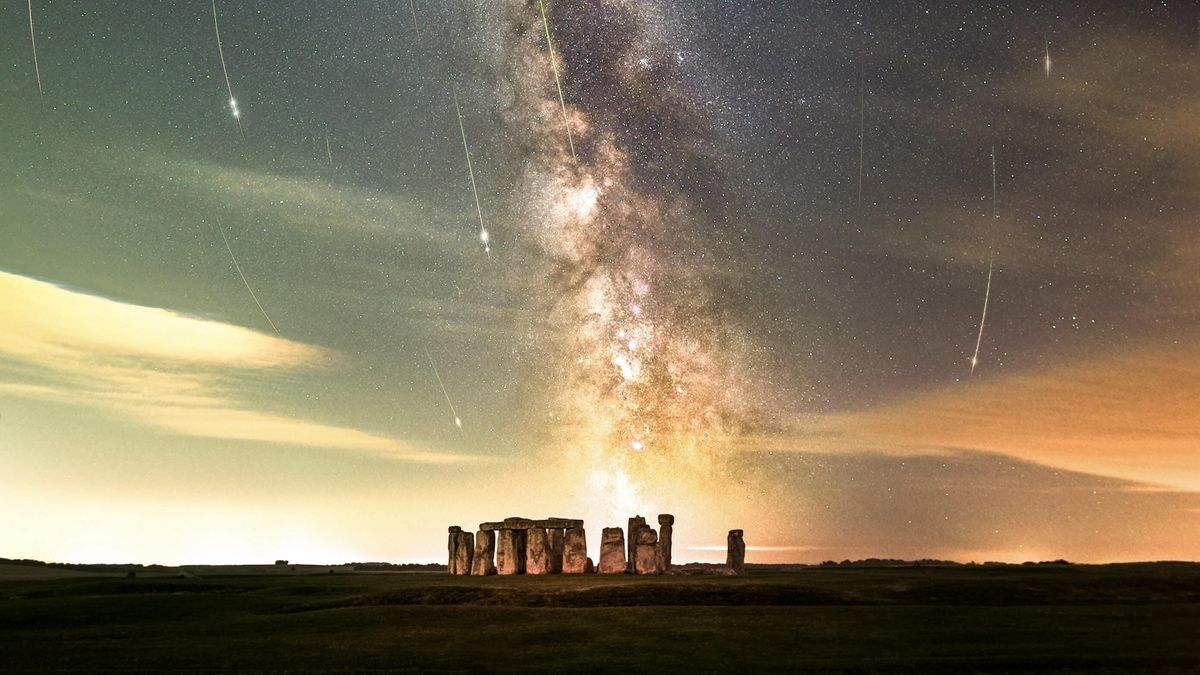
column 243, row 276
column 557, row 82
column 328, row 152
column 861, row 131
column 1046, row 60
column 987, row 293
column 413, row 9
column 33, row 42
column 457, row 421
column 483, row 233
column 233, row 104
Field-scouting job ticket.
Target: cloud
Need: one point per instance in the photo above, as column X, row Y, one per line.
column 1130, row 415
column 162, row 369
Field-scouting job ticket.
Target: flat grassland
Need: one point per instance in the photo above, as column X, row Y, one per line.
column 1044, row 618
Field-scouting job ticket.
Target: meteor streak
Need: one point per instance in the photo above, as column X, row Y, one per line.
column 987, row 293
column 243, row 276
column 328, row 151
column 233, row 104
column 861, row 132
column 457, row 421
column 557, row 82
column 483, row 233
column 1046, row 60
column 413, row 8
column 33, row 42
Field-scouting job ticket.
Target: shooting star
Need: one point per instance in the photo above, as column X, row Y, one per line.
column 243, row 276
column 987, row 293
column 861, row 131
column 33, row 43
column 413, row 8
column 457, row 421
column 233, row 104
column 557, row 81
column 328, row 151
column 483, row 233
column 1046, row 59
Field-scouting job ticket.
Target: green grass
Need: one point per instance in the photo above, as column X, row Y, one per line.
column 1123, row 618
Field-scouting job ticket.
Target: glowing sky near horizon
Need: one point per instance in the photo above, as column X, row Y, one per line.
column 682, row 307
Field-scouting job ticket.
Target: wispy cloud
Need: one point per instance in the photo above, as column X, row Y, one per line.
column 162, row 369
column 1131, row 415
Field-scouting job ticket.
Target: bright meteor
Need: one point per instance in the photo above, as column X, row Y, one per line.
column 233, row 104
column 484, row 238
column 987, row 293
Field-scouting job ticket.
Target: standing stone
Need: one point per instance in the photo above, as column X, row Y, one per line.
column 646, row 551
column 482, row 564
column 635, row 524
column 464, row 550
column 612, row 551
column 665, row 523
column 557, row 544
column 510, row 552
column 452, row 549
column 589, row 567
column 537, row 551
column 575, row 551
column 735, row 560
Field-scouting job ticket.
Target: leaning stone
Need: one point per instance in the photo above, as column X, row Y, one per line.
column 575, row 551
column 537, row 551
column 666, row 522
column 464, row 550
column 612, row 551
column 735, row 559
column 556, row 550
column 510, row 552
column 646, row 551
column 635, row 524
column 482, row 563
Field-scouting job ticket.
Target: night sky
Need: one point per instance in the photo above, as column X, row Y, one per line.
column 736, row 273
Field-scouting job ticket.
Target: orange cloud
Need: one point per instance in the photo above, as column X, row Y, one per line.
column 1133, row 416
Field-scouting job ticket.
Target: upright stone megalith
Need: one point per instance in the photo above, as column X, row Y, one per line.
column 665, row 523
column 612, row 551
column 735, row 559
column 646, row 551
column 510, row 552
column 575, row 551
column 483, row 565
column 635, row 523
column 537, row 551
column 464, row 551
column 452, row 550
column 557, row 545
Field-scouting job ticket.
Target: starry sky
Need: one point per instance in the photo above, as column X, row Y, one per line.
column 736, row 259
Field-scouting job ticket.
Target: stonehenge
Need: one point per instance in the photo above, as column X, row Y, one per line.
column 461, row 547
column 646, row 551
column 559, row 546
column 735, row 559
column 575, row 560
column 612, row 551
column 482, row 564
column 665, row 523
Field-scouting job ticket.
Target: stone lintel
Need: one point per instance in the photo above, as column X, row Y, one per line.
column 527, row 523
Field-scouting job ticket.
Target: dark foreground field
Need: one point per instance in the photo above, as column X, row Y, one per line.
column 1117, row 619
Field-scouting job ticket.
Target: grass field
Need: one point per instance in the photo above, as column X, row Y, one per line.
column 1084, row 619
